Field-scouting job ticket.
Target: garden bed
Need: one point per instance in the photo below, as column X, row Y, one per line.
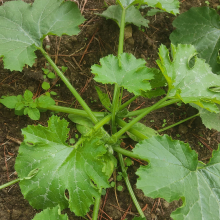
column 98, row 38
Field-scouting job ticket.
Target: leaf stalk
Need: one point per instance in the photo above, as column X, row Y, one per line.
column 9, row 183
column 180, row 122
column 138, row 112
column 70, row 87
column 128, row 184
column 138, row 118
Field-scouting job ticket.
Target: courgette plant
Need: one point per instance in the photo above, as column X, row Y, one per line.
column 54, row 175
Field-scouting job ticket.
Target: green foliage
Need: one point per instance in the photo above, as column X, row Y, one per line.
column 174, row 172
column 45, row 85
column 128, row 162
column 119, row 188
column 190, row 84
column 153, row 12
column 25, row 105
column 168, row 6
column 209, row 119
column 57, row 171
column 133, row 16
column 51, row 214
column 126, row 71
column 200, row 27
column 147, row 131
column 103, row 97
column 60, row 167
column 156, row 83
column 29, row 24
column 83, row 124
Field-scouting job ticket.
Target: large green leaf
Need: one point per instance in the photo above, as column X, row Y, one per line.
column 50, row 214
column 200, row 27
column 190, row 84
column 61, row 168
column 126, row 71
column 209, row 119
column 132, row 16
column 174, row 172
column 24, row 26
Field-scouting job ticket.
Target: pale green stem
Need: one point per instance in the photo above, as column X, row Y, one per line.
column 129, row 153
column 180, row 122
column 74, row 111
column 135, row 132
column 116, row 95
column 127, row 103
column 115, row 107
column 96, row 206
column 121, row 95
column 122, row 32
column 9, row 183
column 69, row 86
column 138, row 112
column 128, row 184
column 138, row 118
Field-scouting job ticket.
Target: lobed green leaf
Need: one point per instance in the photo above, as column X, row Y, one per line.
column 126, row 71
column 201, row 28
column 50, row 214
column 190, row 84
column 173, row 173
column 61, row 168
column 24, row 26
column 209, row 119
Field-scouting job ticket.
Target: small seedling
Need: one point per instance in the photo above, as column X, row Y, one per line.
column 200, row 144
column 164, row 123
column 120, row 188
column 72, row 141
column 207, row 3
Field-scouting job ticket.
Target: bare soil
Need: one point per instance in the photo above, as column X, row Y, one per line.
column 98, row 38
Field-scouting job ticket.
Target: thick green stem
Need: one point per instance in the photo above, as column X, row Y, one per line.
column 138, row 118
column 69, row 86
column 129, row 153
column 96, row 206
column 122, row 32
column 9, row 183
column 116, row 95
column 128, row 184
column 73, row 111
column 138, row 112
column 180, row 122
column 127, row 103
column 115, row 106
column 135, row 132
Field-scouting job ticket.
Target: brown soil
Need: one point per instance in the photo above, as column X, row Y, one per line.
column 102, row 37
